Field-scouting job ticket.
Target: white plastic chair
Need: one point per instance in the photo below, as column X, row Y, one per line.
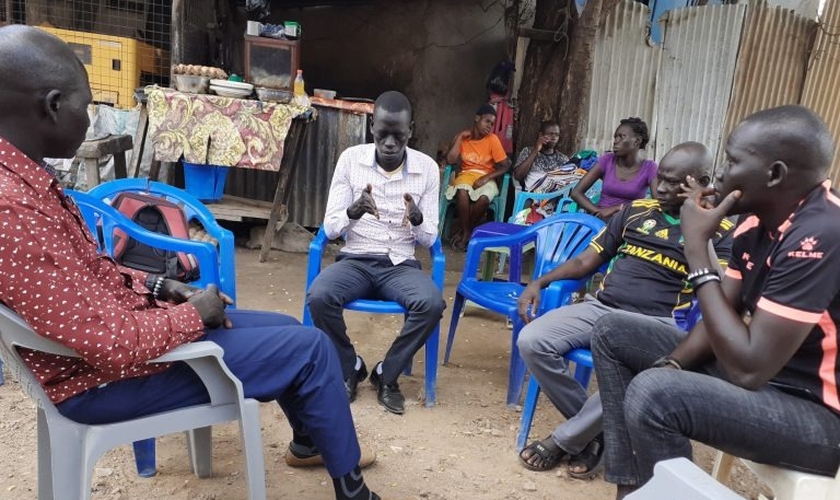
column 786, row 484
column 68, row 451
column 681, row 478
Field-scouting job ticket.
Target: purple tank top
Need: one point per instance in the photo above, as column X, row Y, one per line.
column 614, row 191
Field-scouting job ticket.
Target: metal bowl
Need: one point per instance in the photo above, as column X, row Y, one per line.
column 192, row 84
column 274, row 95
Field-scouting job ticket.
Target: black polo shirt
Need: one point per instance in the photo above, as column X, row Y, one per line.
column 647, row 266
column 793, row 271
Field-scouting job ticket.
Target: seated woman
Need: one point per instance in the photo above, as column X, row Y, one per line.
column 625, row 175
column 535, row 165
column 481, row 159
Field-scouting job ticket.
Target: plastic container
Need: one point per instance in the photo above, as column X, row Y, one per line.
column 144, row 456
column 274, row 95
column 205, row 182
column 291, row 29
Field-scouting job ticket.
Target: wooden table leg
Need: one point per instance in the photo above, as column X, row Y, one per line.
column 119, row 166
column 281, row 194
column 139, row 141
column 154, row 170
column 91, row 171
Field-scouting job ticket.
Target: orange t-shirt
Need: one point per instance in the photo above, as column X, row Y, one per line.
column 482, row 154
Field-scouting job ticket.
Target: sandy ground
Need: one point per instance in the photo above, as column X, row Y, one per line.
column 463, row 448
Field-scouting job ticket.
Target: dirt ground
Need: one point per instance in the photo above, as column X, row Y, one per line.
column 462, row 448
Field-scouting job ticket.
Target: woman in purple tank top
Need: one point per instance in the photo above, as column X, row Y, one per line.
column 625, row 175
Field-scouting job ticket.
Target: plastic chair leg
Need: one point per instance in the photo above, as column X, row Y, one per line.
column 517, row 366
column 529, row 407
column 252, row 448
column 45, row 475
column 200, row 448
column 431, row 366
column 457, row 307
column 583, row 374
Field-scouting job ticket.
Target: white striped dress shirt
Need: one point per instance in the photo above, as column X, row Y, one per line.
column 356, row 168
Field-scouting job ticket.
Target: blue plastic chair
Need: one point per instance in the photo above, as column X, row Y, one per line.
column 582, row 358
column 563, row 197
column 194, row 211
column 497, row 206
column 102, row 219
column 555, row 240
column 316, row 252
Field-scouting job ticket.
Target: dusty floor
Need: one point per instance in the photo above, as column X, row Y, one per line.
column 463, row 448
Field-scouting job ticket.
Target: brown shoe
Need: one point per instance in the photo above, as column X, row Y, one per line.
column 308, row 456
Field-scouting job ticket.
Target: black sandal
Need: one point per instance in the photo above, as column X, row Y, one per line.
column 592, row 457
column 548, row 458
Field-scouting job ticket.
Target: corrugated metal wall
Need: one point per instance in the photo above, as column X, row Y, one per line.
column 695, row 78
column 325, row 139
column 822, row 85
column 624, row 75
column 771, row 63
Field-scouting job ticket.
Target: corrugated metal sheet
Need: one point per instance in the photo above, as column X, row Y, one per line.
column 821, row 86
column 771, row 64
column 325, row 139
column 695, row 79
column 624, row 74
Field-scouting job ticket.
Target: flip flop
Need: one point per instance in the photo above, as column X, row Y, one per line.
column 592, row 457
column 299, row 455
column 548, row 458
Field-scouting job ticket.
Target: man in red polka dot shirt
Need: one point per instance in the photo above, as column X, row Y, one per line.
column 51, row 274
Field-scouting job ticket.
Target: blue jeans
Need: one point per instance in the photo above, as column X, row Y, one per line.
column 274, row 357
column 652, row 414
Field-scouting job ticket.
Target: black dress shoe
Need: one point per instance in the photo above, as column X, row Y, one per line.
column 352, row 382
column 388, row 395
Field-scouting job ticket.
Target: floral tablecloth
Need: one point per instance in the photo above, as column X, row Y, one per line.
column 217, row 130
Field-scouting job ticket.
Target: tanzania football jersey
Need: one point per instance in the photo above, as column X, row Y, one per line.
column 793, row 271
column 647, row 267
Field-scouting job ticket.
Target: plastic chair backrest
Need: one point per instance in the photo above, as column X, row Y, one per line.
column 194, row 210
column 561, row 237
column 564, row 201
column 102, row 219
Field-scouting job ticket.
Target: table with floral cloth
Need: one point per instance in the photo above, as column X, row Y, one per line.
column 229, row 132
column 216, row 130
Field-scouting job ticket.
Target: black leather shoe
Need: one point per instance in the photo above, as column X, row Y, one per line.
column 352, row 382
column 388, row 395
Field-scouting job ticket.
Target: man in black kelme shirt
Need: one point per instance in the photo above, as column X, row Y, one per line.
column 765, row 390
column 643, row 245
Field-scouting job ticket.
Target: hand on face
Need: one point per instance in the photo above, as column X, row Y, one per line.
column 541, row 142
column 699, row 218
column 363, row 205
column 413, row 215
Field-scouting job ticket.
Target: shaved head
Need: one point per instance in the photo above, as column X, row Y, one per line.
column 44, row 93
column 32, row 59
column 794, row 135
column 393, row 101
column 693, row 158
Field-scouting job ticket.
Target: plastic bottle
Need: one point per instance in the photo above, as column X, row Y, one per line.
column 300, row 89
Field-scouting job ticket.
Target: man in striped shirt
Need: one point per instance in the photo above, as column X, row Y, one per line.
column 384, row 201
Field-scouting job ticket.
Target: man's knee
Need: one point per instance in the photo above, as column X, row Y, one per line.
column 428, row 305
column 604, row 331
column 529, row 341
column 648, row 396
column 320, row 298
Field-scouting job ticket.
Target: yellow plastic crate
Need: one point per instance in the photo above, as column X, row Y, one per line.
column 114, row 63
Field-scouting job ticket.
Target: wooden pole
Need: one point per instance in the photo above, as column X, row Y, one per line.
column 9, row 11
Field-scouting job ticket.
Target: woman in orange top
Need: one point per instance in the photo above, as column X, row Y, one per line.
column 481, row 159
